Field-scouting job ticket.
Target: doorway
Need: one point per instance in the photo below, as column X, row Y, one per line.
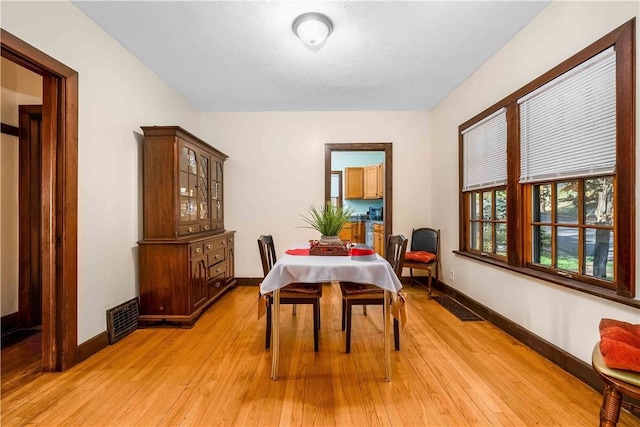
column 384, row 147
column 56, row 220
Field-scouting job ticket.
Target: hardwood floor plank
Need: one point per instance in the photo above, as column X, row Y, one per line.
column 447, row 372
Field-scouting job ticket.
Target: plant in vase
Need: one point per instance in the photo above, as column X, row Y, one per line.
column 328, row 219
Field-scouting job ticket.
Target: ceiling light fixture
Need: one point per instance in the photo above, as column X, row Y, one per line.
column 312, row 28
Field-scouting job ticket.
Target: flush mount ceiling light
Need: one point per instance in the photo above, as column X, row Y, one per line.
column 312, row 28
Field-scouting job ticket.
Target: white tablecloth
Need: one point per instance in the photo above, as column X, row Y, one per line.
column 309, row 268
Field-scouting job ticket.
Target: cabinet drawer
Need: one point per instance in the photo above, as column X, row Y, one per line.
column 188, row 229
column 217, row 271
column 215, row 286
column 196, row 249
column 211, row 246
column 378, row 227
column 215, row 257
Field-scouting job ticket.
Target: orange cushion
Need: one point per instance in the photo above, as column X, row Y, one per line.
column 619, row 334
column 420, row 256
column 605, row 323
column 618, row 355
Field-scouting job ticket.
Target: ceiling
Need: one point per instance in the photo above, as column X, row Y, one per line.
column 381, row 56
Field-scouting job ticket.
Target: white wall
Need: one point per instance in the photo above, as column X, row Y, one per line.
column 117, row 95
column 19, row 87
column 275, row 170
column 566, row 318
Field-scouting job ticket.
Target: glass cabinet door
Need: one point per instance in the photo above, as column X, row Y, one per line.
column 188, row 185
column 216, row 194
column 203, row 193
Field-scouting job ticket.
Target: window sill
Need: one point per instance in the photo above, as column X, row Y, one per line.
column 568, row 283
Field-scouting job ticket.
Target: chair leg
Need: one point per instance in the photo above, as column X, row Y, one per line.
column 348, row 338
column 411, row 275
column 316, row 326
column 364, row 309
column 610, row 410
column 344, row 312
column 267, row 343
column 295, row 309
column 396, row 334
column 429, row 285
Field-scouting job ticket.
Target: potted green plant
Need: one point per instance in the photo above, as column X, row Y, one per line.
column 328, row 219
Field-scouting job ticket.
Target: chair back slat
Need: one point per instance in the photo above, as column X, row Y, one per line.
column 267, row 253
column 425, row 239
column 396, row 250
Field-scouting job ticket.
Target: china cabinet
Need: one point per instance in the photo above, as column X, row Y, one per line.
column 186, row 255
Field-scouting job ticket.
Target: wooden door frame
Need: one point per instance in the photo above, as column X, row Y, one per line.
column 387, row 148
column 59, row 201
column 29, row 201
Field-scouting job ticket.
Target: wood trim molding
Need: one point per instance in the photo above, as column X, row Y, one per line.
column 9, row 129
column 59, row 210
column 92, row 346
column 10, row 321
column 387, row 148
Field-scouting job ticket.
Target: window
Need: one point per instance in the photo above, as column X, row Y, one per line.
column 569, row 174
column 571, row 229
column 485, row 177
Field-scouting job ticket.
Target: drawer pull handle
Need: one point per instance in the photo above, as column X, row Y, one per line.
column 217, row 256
column 191, row 229
column 209, row 246
column 218, row 284
column 206, row 227
column 197, row 250
column 219, row 270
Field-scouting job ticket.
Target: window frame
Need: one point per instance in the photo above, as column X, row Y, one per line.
column 482, row 221
column 623, row 39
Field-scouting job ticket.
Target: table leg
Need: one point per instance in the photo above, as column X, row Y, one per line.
column 387, row 337
column 275, row 334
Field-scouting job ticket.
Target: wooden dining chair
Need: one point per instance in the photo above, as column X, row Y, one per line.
column 363, row 294
column 423, row 254
column 617, row 382
column 294, row 293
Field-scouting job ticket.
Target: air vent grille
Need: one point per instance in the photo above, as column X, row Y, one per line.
column 122, row 320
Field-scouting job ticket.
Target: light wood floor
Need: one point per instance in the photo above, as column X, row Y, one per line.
column 448, row 372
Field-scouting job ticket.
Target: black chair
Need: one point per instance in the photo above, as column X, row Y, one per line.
column 295, row 293
column 364, row 294
column 424, row 253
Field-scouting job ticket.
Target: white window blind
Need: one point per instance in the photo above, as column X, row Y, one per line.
column 568, row 126
column 484, row 150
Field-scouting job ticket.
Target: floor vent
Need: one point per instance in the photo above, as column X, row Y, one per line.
column 122, row 320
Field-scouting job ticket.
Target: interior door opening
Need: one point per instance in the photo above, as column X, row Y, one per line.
column 367, row 186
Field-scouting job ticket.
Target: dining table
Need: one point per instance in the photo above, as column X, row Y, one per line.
column 296, row 266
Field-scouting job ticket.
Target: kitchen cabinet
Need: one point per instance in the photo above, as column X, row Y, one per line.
column 370, row 182
column 186, row 256
column 357, row 232
column 364, row 182
column 353, row 232
column 378, row 239
column 345, row 233
column 353, row 183
column 380, row 182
